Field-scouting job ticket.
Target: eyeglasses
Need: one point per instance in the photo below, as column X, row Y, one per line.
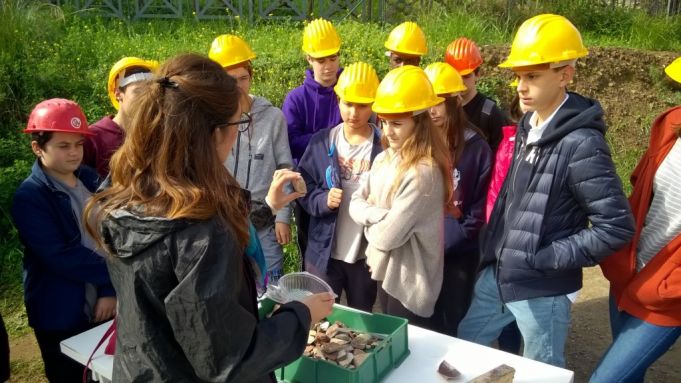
column 245, row 120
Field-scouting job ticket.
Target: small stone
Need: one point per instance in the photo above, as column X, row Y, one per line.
column 308, row 350
column 360, row 357
column 345, row 337
column 330, row 348
column 323, row 326
column 331, row 356
column 332, row 330
column 448, row 371
column 322, row 338
column 317, row 353
column 339, row 341
column 310, row 339
column 347, row 359
column 359, row 343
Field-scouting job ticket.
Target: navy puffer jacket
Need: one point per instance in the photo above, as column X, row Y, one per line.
column 561, row 207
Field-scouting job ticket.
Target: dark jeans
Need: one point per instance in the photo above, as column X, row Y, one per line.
column 392, row 306
column 355, row 279
column 510, row 339
column 59, row 368
column 458, row 280
column 302, row 226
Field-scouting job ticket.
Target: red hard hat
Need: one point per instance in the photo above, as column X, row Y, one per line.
column 58, row 115
column 463, row 55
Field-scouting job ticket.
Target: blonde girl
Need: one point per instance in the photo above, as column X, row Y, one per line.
column 402, row 201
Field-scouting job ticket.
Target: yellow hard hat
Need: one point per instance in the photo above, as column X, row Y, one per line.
column 405, row 89
column 545, row 39
column 357, row 83
column 117, row 74
column 445, row 79
column 230, row 50
column 673, row 70
column 407, row 38
column 320, row 39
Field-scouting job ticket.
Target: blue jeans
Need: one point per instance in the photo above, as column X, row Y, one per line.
column 543, row 322
column 636, row 345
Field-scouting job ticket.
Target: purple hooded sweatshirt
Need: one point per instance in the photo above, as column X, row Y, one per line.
column 309, row 108
column 97, row 149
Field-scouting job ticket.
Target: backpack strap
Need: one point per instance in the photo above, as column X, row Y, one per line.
column 487, row 107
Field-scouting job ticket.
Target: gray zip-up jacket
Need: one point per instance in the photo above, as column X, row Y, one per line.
column 260, row 149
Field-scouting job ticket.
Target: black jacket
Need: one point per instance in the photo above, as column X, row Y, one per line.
column 561, row 207
column 187, row 305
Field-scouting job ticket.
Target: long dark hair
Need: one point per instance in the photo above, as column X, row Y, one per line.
column 168, row 165
column 455, row 125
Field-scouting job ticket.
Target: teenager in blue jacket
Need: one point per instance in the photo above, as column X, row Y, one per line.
column 472, row 159
column 333, row 166
column 66, row 283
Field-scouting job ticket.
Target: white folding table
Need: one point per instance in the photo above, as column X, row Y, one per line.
column 427, row 350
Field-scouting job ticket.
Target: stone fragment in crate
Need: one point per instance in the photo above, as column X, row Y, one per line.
column 345, row 360
column 323, row 326
column 359, row 358
column 330, row 348
column 322, row 338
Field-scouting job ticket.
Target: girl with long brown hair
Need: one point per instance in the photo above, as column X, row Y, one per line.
column 175, row 224
column 472, row 159
column 402, row 201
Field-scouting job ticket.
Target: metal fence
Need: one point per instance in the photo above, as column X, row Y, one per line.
column 253, row 10
column 226, row 9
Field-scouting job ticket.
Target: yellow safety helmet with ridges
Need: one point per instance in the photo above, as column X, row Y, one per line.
column 673, row 70
column 545, row 39
column 118, row 70
column 445, row 79
column 405, row 89
column 230, row 50
column 358, row 83
column 320, row 39
column 407, row 38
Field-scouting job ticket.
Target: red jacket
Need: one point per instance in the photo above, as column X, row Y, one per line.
column 502, row 162
column 98, row 149
column 654, row 293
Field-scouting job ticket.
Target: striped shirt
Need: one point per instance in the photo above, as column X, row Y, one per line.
column 663, row 221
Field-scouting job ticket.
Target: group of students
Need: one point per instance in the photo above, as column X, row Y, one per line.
column 420, row 192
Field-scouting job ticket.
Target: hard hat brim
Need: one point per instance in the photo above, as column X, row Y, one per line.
column 322, row 54
column 83, row 132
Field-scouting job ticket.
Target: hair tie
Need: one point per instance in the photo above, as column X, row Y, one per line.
column 166, row 82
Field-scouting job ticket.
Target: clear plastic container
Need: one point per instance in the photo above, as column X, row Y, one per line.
column 296, row 287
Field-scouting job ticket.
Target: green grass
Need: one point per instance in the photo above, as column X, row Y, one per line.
column 49, row 52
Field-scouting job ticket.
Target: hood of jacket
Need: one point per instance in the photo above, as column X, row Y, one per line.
column 313, row 85
column 128, row 234
column 260, row 105
column 578, row 112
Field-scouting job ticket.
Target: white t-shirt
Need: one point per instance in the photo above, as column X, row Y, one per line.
column 354, row 162
column 663, row 221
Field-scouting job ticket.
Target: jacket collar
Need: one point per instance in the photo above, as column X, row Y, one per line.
column 86, row 175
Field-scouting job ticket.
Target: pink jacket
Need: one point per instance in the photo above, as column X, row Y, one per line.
column 502, row 162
